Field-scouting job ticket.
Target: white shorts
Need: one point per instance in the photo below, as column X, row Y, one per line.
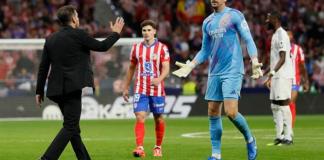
column 280, row 88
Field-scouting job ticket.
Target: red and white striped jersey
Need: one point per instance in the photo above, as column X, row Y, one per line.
column 298, row 57
column 149, row 61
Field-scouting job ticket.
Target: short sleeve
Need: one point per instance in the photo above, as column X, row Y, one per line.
column 165, row 55
column 132, row 57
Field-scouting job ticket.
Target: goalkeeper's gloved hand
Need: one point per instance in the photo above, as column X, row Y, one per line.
column 256, row 69
column 184, row 70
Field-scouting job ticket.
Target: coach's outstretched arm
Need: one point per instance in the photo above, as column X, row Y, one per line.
column 95, row 45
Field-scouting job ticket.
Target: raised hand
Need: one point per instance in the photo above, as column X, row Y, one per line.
column 118, row 25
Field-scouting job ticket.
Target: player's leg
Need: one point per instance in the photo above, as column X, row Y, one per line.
column 278, row 120
column 286, row 87
column 276, row 110
column 215, row 98
column 215, row 127
column 157, row 108
column 287, row 121
column 159, row 134
column 140, row 110
column 231, row 110
column 231, row 87
column 292, row 105
column 281, row 96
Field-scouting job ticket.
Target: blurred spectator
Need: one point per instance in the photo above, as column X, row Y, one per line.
column 164, row 30
column 4, row 69
column 118, row 87
column 113, row 64
column 182, row 52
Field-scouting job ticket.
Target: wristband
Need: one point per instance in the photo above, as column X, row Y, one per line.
column 192, row 65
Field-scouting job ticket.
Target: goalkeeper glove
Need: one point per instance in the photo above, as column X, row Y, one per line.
column 256, row 69
column 184, row 70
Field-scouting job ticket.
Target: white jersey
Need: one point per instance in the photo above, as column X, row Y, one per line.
column 280, row 42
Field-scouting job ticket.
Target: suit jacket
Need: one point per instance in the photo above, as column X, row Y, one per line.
column 66, row 54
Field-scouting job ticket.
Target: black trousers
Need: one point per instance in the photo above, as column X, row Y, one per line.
column 70, row 105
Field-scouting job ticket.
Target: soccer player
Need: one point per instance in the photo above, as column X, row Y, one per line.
column 221, row 45
column 280, row 80
column 300, row 76
column 151, row 58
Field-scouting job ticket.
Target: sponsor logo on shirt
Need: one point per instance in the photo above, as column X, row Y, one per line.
column 217, row 33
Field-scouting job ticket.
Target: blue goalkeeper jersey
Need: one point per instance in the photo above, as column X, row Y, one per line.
column 221, row 42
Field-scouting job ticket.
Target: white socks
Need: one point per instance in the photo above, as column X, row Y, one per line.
column 282, row 118
column 215, row 155
column 278, row 120
column 287, row 120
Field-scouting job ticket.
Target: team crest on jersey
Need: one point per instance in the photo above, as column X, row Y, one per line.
column 148, row 67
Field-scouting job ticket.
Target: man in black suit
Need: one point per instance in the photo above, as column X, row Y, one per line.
column 67, row 54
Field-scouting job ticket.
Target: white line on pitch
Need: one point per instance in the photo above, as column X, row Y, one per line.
column 206, row 135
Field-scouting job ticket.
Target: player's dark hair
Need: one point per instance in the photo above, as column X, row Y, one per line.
column 65, row 14
column 148, row 22
column 275, row 14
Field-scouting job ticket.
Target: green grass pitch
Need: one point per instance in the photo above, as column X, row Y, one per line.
column 114, row 139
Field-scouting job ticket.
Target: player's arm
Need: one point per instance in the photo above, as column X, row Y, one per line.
column 282, row 46
column 282, row 59
column 164, row 73
column 205, row 50
column 42, row 75
column 128, row 79
column 130, row 73
column 201, row 56
column 245, row 34
column 303, row 71
column 165, row 61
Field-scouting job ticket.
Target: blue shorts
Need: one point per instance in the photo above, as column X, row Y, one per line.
column 220, row 88
column 145, row 103
column 295, row 87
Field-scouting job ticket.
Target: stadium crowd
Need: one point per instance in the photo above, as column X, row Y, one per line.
column 179, row 25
